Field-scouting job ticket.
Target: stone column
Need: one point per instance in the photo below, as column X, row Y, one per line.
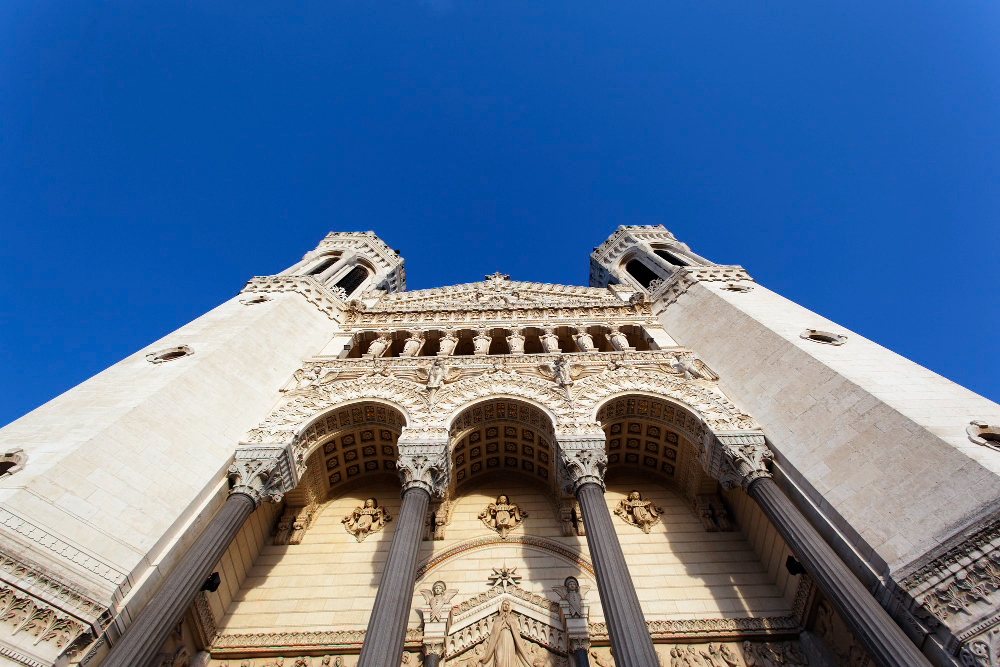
column 423, row 471
column 744, row 462
column 585, row 462
column 259, row 474
column 338, row 267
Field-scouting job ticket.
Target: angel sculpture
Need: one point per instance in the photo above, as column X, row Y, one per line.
column 640, row 513
column 364, row 521
column 502, row 516
column 438, row 374
column 571, row 595
column 692, row 368
column 561, row 372
column 438, row 598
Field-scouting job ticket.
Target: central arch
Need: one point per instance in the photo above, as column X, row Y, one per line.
column 505, row 436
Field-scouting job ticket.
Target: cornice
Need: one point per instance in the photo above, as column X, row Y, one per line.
column 369, row 240
column 664, row 293
column 552, row 314
column 19, row 573
column 226, row 645
column 308, row 287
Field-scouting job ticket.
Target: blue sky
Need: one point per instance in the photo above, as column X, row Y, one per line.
column 155, row 155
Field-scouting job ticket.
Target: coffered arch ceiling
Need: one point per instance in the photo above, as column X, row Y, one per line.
column 651, row 435
column 357, row 441
column 502, row 436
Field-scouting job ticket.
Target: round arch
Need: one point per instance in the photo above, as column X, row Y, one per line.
column 502, row 435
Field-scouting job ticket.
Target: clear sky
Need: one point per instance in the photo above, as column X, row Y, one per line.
column 155, row 155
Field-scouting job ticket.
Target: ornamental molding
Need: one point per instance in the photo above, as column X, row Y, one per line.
column 35, row 580
column 583, row 463
column 668, row 291
column 265, row 643
column 67, row 554
column 265, row 473
column 453, row 398
column 21, row 612
column 374, row 248
column 324, row 298
column 962, row 556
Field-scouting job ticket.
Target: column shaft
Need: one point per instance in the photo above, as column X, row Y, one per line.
column 431, row 660
column 142, row 640
column 869, row 622
column 582, row 660
column 386, row 632
column 630, row 640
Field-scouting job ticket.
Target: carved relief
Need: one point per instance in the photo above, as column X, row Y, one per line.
column 983, row 651
column 21, row 612
column 502, row 516
column 712, row 513
column 635, row 511
column 365, row 520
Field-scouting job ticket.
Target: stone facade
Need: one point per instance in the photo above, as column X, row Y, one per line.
column 328, row 395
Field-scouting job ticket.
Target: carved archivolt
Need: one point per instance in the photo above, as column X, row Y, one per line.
column 453, row 398
column 717, row 411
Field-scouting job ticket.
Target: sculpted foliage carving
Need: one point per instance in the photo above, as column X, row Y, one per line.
column 22, row 613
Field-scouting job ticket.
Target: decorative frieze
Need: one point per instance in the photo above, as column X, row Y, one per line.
column 23, row 613
column 684, row 277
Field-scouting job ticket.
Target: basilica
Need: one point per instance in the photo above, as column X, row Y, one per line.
column 671, row 466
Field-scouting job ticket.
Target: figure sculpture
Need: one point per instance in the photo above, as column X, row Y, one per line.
column 502, row 516
column 364, row 521
column 447, row 343
column 412, row 345
column 550, row 341
column 437, row 599
column 618, row 340
column 482, row 342
column 572, row 594
column 516, row 342
column 378, row 346
column 584, row 341
column 638, row 512
column 505, row 647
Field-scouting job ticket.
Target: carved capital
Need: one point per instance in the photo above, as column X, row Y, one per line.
column 584, row 461
column 423, row 465
column 740, row 459
column 265, row 473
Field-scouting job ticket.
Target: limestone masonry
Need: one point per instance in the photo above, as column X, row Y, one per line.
column 673, row 465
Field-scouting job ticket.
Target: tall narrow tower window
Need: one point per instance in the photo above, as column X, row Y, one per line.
column 670, row 257
column 640, row 272
column 353, row 280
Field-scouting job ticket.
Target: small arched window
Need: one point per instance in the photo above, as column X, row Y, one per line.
column 672, row 258
column 640, row 272
column 353, row 279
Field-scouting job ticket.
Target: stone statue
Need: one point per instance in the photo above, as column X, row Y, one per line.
column 561, row 372
column 437, row 599
column 364, row 521
column 378, row 346
column 584, row 341
column 692, row 369
column 438, row 374
column 638, row 512
column 550, row 341
column 618, row 340
column 572, row 594
column 447, row 343
column 505, row 648
column 516, row 342
column 502, row 516
column 411, row 347
column 482, row 342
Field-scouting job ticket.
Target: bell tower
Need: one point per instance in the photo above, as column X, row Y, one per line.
column 636, row 255
column 352, row 262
